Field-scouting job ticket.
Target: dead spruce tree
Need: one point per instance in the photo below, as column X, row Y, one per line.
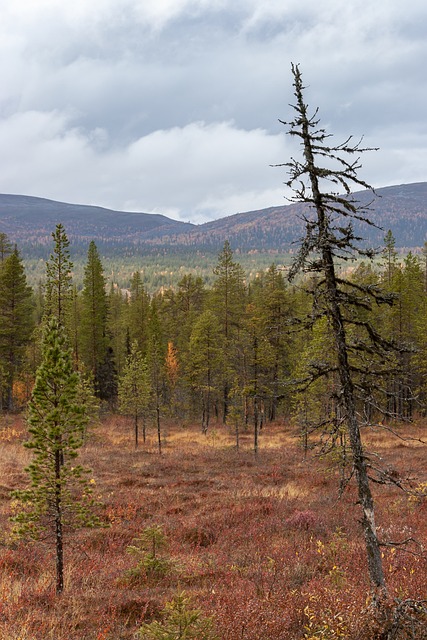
column 330, row 235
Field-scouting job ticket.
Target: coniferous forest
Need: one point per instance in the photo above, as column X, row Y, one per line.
column 238, row 460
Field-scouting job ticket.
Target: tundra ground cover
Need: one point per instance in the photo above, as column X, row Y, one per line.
column 263, row 545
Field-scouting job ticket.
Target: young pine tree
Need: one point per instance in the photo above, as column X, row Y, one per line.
column 59, row 292
column 59, row 495
column 134, row 387
column 179, row 622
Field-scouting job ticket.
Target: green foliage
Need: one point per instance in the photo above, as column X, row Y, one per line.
column 58, row 279
column 138, row 312
column 146, row 548
column 273, row 307
column 134, row 386
column 227, row 301
column 5, row 247
column 156, row 360
column 59, row 494
column 117, row 327
column 16, row 322
column 95, row 344
column 228, row 292
column 86, row 397
column 57, row 420
column 204, row 361
column 315, row 400
column 179, row 622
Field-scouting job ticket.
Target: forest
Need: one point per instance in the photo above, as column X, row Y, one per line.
column 239, row 460
column 233, row 347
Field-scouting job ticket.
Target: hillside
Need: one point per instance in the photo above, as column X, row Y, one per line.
column 29, row 222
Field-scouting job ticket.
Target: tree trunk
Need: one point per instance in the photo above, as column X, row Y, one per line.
column 375, row 567
column 58, row 526
column 256, row 426
column 159, row 433
column 326, row 238
column 136, row 429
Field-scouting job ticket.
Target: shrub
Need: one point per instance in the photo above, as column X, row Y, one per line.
column 179, row 622
column 146, row 549
column 306, row 520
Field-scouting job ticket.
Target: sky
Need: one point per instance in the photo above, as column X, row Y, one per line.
column 173, row 106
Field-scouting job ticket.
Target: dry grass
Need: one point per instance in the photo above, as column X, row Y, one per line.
column 261, row 543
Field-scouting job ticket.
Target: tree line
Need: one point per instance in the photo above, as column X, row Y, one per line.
column 228, row 352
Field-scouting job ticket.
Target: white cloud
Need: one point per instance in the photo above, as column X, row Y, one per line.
column 172, row 105
column 208, row 170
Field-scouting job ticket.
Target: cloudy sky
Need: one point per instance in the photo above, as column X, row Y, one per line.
column 172, row 106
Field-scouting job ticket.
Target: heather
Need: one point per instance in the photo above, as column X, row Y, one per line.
column 263, row 545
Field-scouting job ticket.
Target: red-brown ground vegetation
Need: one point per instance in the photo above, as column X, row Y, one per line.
column 263, row 544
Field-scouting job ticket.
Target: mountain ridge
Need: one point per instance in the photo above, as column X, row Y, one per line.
column 29, row 220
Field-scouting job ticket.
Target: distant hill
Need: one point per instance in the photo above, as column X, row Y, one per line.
column 29, row 221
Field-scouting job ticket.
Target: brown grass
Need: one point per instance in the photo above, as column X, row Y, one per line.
column 263, row 544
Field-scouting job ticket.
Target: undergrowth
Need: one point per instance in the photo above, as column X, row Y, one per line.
column 261, row 547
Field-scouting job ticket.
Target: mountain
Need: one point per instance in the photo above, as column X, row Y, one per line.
column 29, row 221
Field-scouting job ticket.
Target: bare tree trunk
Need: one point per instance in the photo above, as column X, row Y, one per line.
column 366, row 501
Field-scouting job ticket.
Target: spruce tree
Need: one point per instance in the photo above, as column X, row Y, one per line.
column 59, row 495
column 117, row 328
column 16, row 322
column 228, row 303
column 272, row 303
column 95, row 342
column 138, row 312
column 5, row 247
column 404, row 322
column 330, row 235
column 59, row 292
column 390, row 257
column 189, row 304
column 204, row 362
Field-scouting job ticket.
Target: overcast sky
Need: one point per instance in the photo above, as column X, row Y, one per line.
column 172, row 106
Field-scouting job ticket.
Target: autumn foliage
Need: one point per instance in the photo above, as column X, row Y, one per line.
column 262, row 546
